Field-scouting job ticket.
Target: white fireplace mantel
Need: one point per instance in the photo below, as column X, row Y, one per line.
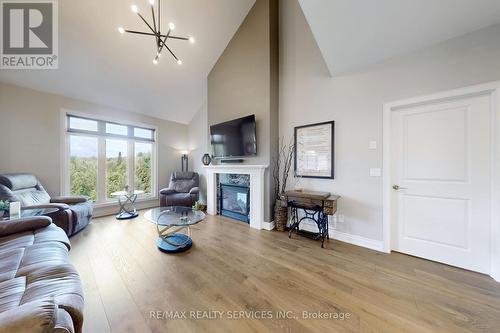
column 257, row 189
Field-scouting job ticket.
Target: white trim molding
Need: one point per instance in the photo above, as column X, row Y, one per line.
column 369, row 243
column 256, row 173
column 489, row 89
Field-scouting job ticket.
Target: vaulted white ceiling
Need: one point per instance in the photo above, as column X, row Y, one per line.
column 99, row 65
column 353, row 34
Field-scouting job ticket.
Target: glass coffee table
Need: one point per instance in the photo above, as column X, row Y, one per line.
column 173, row 225
column 126, row 200
column 30, row 212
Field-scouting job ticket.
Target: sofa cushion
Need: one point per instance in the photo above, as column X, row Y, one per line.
column 64, row 323
column 20, row 225
column 183, row 181
column 40, row 290
column 11, row 292
column 9, row 263
column 33, row 317
column 179, row 175
column 82, row 215
column 18, row 181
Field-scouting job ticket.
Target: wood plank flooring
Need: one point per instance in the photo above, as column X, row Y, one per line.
column 242, row 272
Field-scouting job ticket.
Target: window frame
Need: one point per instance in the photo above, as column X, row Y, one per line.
column 101, row 135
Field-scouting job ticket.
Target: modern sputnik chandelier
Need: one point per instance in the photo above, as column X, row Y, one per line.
column 155, row 31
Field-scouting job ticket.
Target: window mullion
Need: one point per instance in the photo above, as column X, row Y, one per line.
column 101, row 170
column 131, row 164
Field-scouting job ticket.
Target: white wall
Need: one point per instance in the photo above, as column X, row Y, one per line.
column 30, row 134
column 309, row 95
column 198, row 146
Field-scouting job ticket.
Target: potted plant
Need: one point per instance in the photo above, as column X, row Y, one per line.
column 200, row 206
column 281, row 171
column 4, row 207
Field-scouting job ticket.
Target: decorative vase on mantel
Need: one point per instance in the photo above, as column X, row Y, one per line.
column 280, row 215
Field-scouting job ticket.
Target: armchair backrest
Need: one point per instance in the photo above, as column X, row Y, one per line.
column 24, row 188
column 183, row 182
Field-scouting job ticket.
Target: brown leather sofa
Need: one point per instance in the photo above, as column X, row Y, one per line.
column 40, row 290
column 73, row 212
column 183, row 190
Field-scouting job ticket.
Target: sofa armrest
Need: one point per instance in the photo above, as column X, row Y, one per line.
column 60, row 206
column 36, row 317
column 194, row 190
column 167, row 191
column 69, row 200
column 10, row 227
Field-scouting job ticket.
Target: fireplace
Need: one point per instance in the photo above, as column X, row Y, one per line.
column 254, row 179
column 234, row 196
column 235, row 202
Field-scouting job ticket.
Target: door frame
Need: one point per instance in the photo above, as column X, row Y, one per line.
column 491, row 89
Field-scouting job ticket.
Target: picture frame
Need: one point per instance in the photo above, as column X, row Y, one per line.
column 314, row 150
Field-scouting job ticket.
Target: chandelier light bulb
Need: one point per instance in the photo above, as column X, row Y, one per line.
column 158, row 55
column 134, row 9
column 179, row 62
column 171, row 26
column 151, row 2
column 121, row 30
column 192, row 40
column 155, row 61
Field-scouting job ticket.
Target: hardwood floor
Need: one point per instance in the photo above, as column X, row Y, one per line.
column 233, row 268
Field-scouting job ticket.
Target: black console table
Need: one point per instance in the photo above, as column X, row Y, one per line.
column 317, row 206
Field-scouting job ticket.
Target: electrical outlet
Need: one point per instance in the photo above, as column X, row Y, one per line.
column 372, row 145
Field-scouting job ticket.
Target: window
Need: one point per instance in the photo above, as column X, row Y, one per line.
column 116, row 129
column 116, row 166
column 106, row 157
column 143, row 167
column 83, row 165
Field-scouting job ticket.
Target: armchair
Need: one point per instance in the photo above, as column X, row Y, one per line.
column 73, row 213
column 183, row 190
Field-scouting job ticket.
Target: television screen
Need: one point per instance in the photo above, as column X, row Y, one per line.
column 235, row 138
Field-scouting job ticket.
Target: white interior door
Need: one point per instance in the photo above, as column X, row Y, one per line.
column 441, row 158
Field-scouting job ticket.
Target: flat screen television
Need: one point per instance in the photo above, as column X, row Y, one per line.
column 235, row 138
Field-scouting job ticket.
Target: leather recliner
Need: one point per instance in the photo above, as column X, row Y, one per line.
column 40, row 290
column 73, row 212
column 183, row 190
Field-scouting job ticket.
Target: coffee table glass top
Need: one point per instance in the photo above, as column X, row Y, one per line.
column 31, row 212
column 174, row 216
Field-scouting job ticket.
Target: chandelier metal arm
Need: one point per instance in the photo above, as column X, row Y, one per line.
column 164, row 41
column 142, row 17
column 169, row 50
column 159, row 17
column 141, row 33
column 177, row 37
column 154, row 21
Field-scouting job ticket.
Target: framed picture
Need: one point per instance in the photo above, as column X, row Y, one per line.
column 313, row 156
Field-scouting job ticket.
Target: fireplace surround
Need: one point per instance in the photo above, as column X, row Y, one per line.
column 257, row 188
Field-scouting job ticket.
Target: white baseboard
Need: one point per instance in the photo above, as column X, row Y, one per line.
column 268, row 225
column 369, row 243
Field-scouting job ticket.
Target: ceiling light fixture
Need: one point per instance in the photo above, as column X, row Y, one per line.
column 155, row 31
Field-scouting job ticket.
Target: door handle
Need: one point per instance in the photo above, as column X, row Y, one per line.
column 397, row 187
